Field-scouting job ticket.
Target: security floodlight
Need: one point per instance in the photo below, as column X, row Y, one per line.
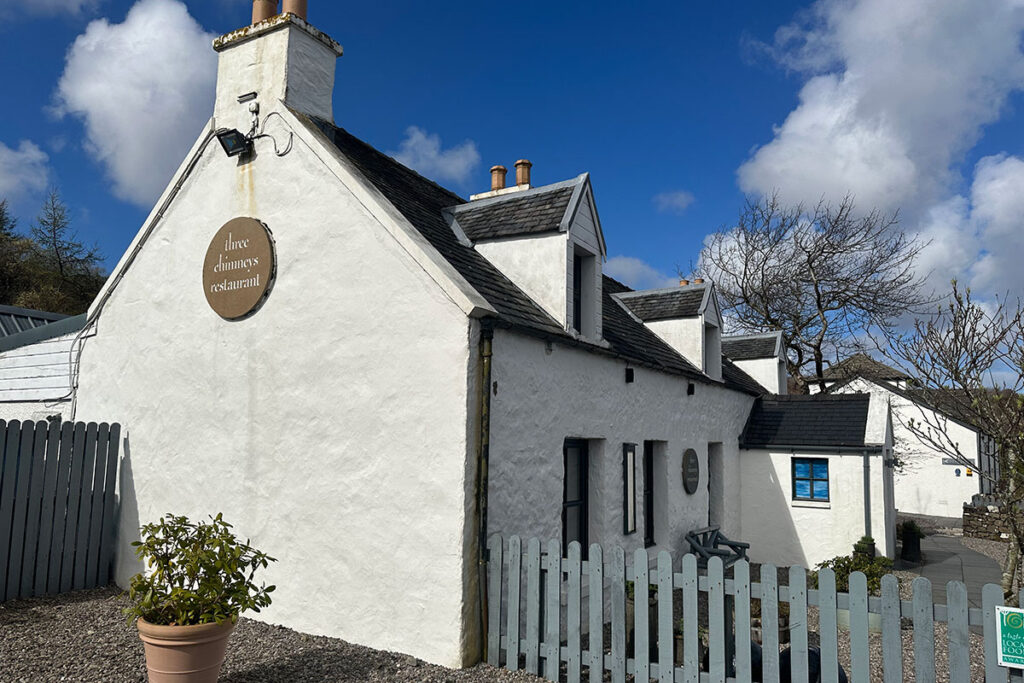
column 234, row 142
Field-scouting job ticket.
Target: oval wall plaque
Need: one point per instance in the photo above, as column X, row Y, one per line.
column 239, row 268
column 691, row 471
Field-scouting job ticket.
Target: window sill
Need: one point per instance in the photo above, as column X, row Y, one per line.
column 818, row 504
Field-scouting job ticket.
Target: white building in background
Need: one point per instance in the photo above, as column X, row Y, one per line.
column 35, row 363
column 930, row 480
column 327, row 348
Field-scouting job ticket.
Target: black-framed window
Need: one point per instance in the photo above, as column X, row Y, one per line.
column 810, row 479
column 628, row 488
column 648, row 494
column 575, row 521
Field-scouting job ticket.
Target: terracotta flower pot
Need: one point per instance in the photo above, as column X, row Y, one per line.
column 184, row 654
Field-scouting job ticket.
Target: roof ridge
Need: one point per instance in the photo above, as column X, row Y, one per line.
column 753, row 335
column 486, row 202
column 667, row 290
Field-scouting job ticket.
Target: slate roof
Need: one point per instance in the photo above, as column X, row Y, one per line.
column 424, row 204
column 750, row 346
column 531, row 212
column 665, row 304
column 733, row 376
column 822, row 420
column 14, row 320
column 862, row 365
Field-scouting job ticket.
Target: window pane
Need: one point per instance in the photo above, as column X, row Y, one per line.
column 803, row 488
column 821, row 470
column 821, row 490
column 802, row 468
column 572, row 525
column 572, row 473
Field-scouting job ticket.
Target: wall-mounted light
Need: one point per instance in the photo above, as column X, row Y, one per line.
column 234, row 142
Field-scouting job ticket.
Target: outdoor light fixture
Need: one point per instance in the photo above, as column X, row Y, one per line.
column 234, row 142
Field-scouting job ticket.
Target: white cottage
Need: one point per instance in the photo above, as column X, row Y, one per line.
column 369, row 374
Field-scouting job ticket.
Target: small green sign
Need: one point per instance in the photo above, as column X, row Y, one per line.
column 1010, row 633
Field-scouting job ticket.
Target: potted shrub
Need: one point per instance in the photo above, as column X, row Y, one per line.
column 197, row 579
column 865, row 546
column 910, row 535
column 874, row 569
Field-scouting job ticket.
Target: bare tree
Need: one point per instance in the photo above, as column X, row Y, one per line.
column 968, row 361
column 824, row 277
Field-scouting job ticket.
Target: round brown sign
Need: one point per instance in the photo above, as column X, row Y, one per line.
column 239, row 268
column 691, row 471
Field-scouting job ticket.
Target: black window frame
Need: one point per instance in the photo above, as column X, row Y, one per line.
column 583, row 501
column 811, row 479
column 648, row 494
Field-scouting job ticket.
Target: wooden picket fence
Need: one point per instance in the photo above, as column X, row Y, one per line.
column 57, row 525
column 547, row 615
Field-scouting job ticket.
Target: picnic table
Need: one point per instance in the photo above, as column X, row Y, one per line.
column 710, row 542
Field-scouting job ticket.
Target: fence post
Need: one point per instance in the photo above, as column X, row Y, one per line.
column 641, row 620
column 959, row 652
column 770, row 623
column 21, row 495
column 595, row 639
column 827, row 626
column 494, row 561
column 859, row 656
column 741, row 579
column 532, row 645
column 691, row 647
column 716, row 621
column 618, row 594
column 35, row 500
column 553, row 610
column 798, row 623
column 892, row 638
column 924, row 632
column 515, row 561
column 992, row 595
column 666, row 641
column 573, row 614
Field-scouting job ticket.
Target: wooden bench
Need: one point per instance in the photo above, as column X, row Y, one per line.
column 709, row 542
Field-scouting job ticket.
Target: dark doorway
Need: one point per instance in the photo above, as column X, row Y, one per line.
column 648, row 494
column 575, row 521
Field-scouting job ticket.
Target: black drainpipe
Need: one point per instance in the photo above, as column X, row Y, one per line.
column 484, row 445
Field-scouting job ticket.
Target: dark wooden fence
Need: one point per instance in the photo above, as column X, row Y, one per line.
column 57, row 526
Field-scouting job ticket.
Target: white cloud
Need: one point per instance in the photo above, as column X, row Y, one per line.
column 23, row 170
column 143, row 89
column 896, row 93
column 422, row 152
column 47, row 7
column 675, row 202
column 637, row 274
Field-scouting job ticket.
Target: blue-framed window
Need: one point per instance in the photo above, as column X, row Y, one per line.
column 810, row 479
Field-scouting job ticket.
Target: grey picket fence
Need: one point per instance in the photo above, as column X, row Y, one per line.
column 57, row 526
column 565, row 618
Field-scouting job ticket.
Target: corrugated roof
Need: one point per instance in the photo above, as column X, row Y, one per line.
column 43, row 332
column 14, row 320
column 424, row 204
column 665, row 304
column 531, row 212
column 750, row 346
column 815, row 421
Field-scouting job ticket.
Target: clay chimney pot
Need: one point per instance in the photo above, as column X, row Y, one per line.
column 684, row 282
column 498, row 177
column 263, row 10
column 698, row 281
column 299, row 8
column 523, row 172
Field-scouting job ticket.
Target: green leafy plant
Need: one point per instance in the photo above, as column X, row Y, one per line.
column 652, row 591
column 195, row 573
column 909, row 528
column 874, row 568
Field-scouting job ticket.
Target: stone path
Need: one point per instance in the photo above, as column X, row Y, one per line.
column 947, row 559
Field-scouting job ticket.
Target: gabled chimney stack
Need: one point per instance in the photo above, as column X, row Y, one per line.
column 263, row 10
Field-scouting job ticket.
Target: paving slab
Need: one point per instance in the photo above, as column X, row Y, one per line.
column 947, row 559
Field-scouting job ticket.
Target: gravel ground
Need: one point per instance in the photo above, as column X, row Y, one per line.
column 84, row 637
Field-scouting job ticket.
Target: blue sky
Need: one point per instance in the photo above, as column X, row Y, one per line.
column 676, row 109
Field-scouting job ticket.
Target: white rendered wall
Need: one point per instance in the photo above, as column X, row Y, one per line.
column 331, row 427
column 537, row 265
column 685, row 335
column 925, row 486
column 548, row 393
column 784, row 532
column 770, row 373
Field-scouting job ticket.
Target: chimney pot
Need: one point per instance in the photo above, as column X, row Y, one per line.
column 684, row 282
column 498, row 177
column 263, row 10
column 299, row 8
column 523, row 172
column 698, row 281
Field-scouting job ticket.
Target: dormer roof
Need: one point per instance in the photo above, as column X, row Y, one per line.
column 752, row 346
column 863, row 365
column 668, row 304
